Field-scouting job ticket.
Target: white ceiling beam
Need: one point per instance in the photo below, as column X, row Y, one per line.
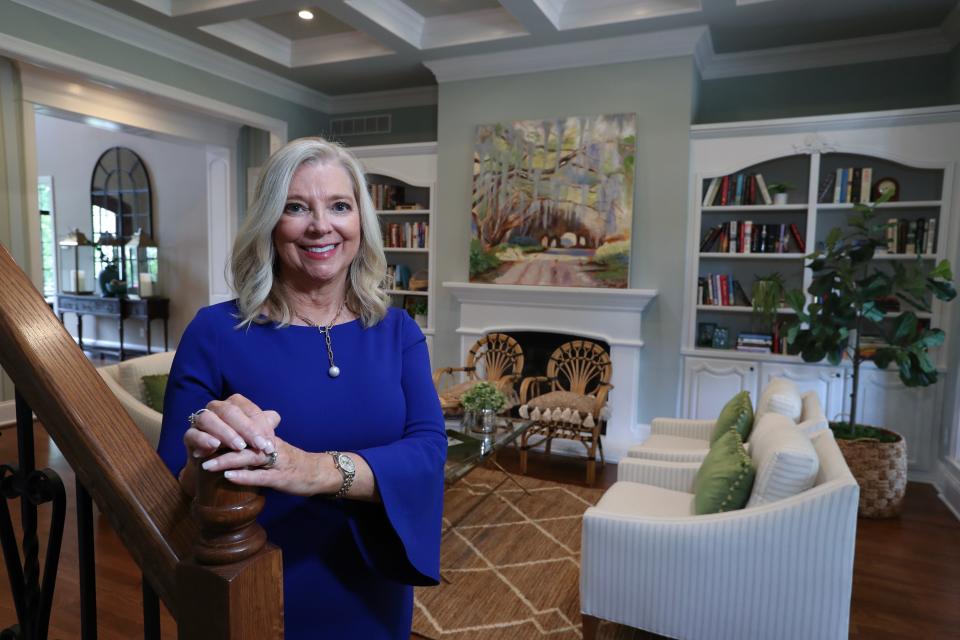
column 394, row 16
column 255, row 38
column 364, row 23
column 473, row 26
column 579, row 14
column 532, row 15
column 337, row 47
column 204, row 12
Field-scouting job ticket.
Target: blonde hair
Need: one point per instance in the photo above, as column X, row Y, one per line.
column 254, row 262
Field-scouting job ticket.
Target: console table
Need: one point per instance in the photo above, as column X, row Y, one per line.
column 120, row 309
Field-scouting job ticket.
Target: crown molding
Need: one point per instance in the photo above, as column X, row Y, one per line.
column 646, row 46
column 54, row 58
column 824, row 54
column 115, row 25
column 374, row 100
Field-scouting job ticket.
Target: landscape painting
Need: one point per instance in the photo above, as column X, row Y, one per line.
column 553, row 201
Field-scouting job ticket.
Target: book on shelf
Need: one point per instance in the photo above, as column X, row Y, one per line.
column 721, row 290
column 825, row 192
column 797, row 238
column 386, row 196
column 851, row 185
column 911, row 237
column 737, row 189
column 406, row 235
column 746, row 236
column 755, row 342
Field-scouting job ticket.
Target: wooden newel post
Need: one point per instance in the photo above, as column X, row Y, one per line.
column 232, row 589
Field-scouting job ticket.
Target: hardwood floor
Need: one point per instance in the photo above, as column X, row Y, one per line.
column 906, row 573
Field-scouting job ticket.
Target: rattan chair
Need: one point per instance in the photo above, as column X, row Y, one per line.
column 496, row 358
column 569, row 402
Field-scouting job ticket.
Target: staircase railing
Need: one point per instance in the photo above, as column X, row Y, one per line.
column 231, row 588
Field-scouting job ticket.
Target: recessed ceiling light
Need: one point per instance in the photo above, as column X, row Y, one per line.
column 306, row 14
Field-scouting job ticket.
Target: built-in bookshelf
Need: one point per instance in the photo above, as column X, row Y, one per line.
column 834, row 164
column 402, row 183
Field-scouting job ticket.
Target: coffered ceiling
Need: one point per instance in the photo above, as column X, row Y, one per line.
column 356, row 46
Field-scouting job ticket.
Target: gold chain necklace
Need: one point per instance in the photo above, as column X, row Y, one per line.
column 334, row 370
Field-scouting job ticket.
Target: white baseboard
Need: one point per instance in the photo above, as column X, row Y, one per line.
column 8, row 412
column 948, row 482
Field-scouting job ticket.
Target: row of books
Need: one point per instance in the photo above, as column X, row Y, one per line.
column 737, row 189
column 849, row 184
column 406, row 235
column 386, row 196
column 745, row 236
column 912, row 236
column 721, row 290
column 755, row 342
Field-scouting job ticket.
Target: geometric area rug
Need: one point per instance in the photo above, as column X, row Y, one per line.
column 513, row 564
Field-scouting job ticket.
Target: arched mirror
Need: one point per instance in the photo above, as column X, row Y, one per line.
column 120, row 196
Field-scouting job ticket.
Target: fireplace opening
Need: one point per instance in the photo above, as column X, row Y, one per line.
column 539, row 345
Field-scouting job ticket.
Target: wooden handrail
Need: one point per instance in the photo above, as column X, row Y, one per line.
column 125, row 476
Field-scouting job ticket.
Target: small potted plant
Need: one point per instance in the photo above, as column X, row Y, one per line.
column 419, row 312
column 481, row 404
column 779, row 191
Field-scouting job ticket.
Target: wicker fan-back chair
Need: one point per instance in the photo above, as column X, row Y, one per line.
column 569, row 402
column 496, row 358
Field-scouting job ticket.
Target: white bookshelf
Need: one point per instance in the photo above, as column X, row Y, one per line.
column 920, row 155
column 412, row 168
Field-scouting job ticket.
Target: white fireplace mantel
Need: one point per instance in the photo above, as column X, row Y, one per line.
column 612, row 315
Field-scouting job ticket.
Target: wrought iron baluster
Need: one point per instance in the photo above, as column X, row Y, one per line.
column 87, row 562
column 32, row 598
column 151, row 612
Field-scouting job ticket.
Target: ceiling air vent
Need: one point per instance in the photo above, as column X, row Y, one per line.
column 360, row 126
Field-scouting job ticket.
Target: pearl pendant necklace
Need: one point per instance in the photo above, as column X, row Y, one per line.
column 334, row 370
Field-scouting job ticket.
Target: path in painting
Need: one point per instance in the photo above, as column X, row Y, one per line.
column 555, row 267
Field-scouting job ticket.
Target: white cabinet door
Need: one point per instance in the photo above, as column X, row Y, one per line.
column 826, row 381
column 885, row 402
column 709, row 383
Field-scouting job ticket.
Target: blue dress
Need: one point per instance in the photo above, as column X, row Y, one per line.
column 348, row 566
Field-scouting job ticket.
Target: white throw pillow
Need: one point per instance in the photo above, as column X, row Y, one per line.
column 786, row 460
column 814, row 421
column 780, row 396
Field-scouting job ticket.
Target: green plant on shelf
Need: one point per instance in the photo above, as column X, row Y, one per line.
column 767, row 294
column 483, row 395
column 779, row 187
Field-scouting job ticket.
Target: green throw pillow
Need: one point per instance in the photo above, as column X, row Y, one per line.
column 736, row 414
column 153, row 389
column 725, row 478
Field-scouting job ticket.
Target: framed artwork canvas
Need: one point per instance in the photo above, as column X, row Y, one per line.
column 553, row 201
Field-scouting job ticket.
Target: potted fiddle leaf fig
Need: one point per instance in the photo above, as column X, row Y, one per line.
column 852, row 297
column 481, row 403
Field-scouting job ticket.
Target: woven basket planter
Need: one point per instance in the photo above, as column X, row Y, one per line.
column 880, row 469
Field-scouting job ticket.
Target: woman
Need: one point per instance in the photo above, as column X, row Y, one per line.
column 322, row 394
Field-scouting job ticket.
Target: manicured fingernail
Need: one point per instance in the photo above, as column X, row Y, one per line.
column 239, row 444
column 214, row 443
column 229, row 474
column 260, row 443
column 209, row 464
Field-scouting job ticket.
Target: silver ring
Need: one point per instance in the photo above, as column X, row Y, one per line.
column 193, row 417
column 271, row 460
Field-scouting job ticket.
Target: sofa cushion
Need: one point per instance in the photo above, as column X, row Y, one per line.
column 780, row 396
column 154, row 387
column 670, row 449
column 736, row 414
column 786, row 460
column 636, row 499
column 725, row 478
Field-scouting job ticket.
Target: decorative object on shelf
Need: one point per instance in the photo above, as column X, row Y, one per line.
column 481, row 404
column 849, row 294
column 142, row 266
column 883, row 186
column 705, row 333
column 548, row 225
column 109, row 261
column 418, row 311
column 420, row 280
column 767, row 295
column 721, row 338
column 76, row 263
column 779, row 191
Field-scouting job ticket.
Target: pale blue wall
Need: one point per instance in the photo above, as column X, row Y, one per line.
column 660, row 206
column 874, row 86
column 408, row 124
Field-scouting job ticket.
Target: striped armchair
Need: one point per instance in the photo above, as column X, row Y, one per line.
column 780, row 570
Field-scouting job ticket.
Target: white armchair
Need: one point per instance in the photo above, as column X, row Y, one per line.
column 781, row 570
column 685, row 440
column 124, row 380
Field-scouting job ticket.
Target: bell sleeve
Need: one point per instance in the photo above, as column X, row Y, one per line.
column 194, row 381
column 400, row 538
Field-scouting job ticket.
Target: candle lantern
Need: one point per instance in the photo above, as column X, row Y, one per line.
column 76, row 263
column 142, row 266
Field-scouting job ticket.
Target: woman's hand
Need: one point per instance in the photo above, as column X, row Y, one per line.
column 236, row 423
